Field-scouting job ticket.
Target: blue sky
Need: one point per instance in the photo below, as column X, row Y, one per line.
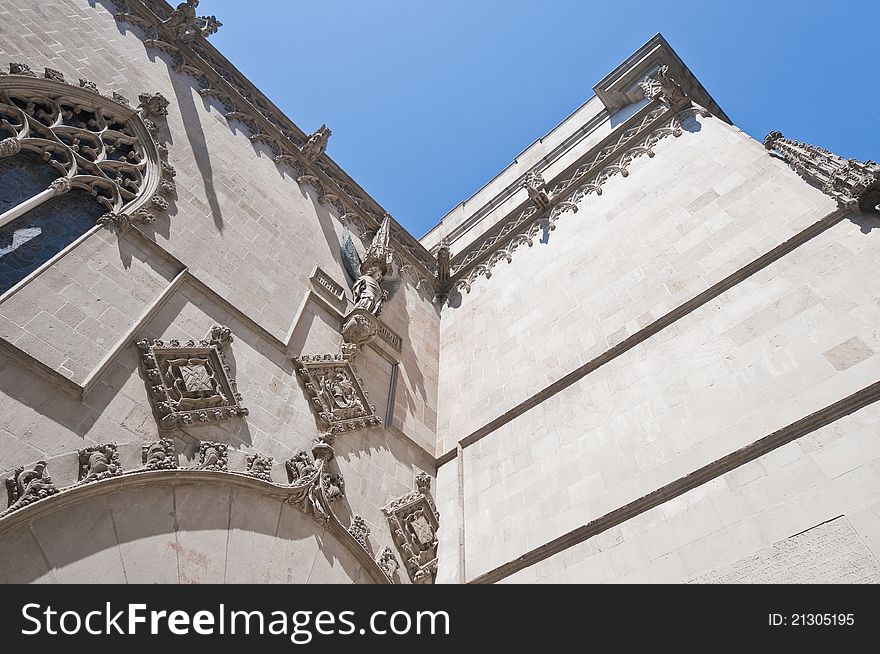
column 428, row 101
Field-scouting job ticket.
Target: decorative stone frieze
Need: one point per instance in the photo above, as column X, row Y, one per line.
column 337, row 393
column 414, row 522
column 159, row 455
column 190, row 383
column 27, row 485
column 99, row 462
column 854, row 184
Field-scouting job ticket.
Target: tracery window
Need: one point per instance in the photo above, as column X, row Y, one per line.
column 70, row 159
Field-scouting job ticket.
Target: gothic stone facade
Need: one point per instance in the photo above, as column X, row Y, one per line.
column 643, row 352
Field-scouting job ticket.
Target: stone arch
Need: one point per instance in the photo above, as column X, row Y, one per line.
column 177, row 526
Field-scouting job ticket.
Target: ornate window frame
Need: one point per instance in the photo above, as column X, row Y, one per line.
column 37, row 115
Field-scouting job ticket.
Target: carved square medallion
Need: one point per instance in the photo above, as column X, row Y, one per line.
column 337, row 392
column 190, row 382
column 414, row 522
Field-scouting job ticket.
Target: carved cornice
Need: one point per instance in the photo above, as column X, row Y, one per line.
column 242, row 101
column 547, row 202
column 855, row 185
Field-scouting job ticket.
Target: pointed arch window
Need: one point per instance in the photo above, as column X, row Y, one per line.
column 71, row 160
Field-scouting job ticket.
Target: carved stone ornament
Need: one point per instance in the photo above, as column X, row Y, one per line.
column 153, row 104
column 190, row 383
column 337, row 393
column 27, row 485
column 414, row 522
column 316, row 145
column 213, row 456
column 387, row 562
column 99, row 462
column 360, row 327
column 306, row 489
column 260, row 466
column 183, row 23
column 662, row 85
column 97, row 144
column 534, row 184
column 333, row 486
column 854, row 184
column 360, row 531
column 159, row 455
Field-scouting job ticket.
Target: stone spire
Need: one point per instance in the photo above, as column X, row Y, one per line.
column 854, row 184
column 379, row 254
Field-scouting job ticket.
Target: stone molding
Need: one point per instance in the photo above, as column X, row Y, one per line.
column 217, row 78
column 548, row 202
column 96, row 143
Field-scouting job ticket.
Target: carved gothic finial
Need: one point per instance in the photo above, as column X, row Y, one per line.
column 854, row 184
column 9, row 147
column 184, row 24
column 16, row 68
column 535, row 185
column 444, row 256
column 360, row 531
column 27, row 485
column 55, row 75
column 423, row 482
column 387, row 562
column 317, row 144
column 153, row 104
column 88, row 85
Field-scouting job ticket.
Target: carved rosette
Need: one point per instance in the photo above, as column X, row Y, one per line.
column 854, row 184
column 159, row 455
column 337, row 393
column 28, row 485
column 99, row 462
column 213, row 456
column 190, row 383
column 414, row 522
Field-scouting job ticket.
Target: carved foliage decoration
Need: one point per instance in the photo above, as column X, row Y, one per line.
column 27, row 485
column 360, row 531
column 337, row 393
column 260, row 466
column 213, row 456
column 95, row 143
column 99, row 462
column 190, row 383
column 159, row 455
column 387, row 562
column 414, row 522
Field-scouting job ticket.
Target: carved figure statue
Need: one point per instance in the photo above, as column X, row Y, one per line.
column 368, row 293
